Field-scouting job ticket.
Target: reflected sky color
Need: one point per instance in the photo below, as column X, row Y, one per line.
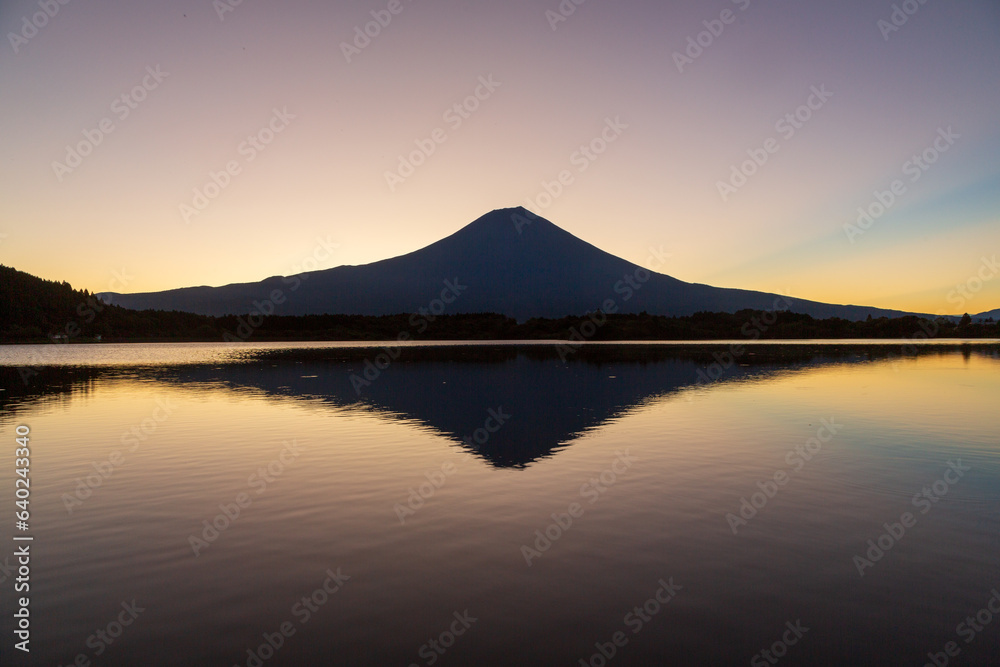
column 323, row 175
column 190, row 439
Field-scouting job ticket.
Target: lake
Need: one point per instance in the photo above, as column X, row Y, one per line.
column 824, row 503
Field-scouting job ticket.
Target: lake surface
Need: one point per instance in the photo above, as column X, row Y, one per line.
column 512, row 504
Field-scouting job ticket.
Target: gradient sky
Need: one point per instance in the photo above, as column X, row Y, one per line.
column 323, row 176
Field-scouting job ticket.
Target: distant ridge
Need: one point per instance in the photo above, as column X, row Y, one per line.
column 509, row 261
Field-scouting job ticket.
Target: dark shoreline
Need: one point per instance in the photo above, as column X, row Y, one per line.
column 955, row 340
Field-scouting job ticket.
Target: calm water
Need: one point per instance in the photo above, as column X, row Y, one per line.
column 498, row 505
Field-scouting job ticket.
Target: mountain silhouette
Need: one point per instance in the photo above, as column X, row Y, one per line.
column 544, row 403
column 509, row 261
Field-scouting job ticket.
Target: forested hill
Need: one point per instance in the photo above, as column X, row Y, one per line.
column 37, row 310
column 32, row 308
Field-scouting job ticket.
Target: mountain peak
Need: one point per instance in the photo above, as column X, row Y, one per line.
column 511, row 240
column 508, row 261
column 511, row 211
column 514, row 218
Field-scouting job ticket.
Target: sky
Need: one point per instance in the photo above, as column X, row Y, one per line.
column 843, row 152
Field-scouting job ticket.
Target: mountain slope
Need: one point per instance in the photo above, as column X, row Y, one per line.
column 508, row 261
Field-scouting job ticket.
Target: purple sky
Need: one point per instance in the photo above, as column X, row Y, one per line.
column 246, row 145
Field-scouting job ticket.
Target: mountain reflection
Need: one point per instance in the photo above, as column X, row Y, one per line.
column 509, row 405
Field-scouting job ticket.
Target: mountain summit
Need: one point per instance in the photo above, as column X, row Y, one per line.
column 509, row 261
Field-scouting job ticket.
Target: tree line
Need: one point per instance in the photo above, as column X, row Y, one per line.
column 37, row 310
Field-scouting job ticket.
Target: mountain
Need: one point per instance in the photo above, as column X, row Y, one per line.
column 450, row 391
column 509, row 261
column 991, row 314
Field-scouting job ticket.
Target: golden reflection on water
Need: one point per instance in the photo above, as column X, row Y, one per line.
column 187, row 445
